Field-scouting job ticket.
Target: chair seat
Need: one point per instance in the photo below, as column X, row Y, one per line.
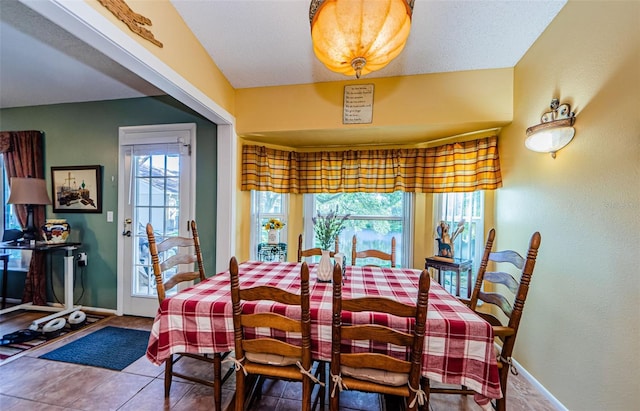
column 374, row 375
column 270, row 359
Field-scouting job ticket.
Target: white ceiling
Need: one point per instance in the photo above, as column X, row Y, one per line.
column 41, row 63
column 260, row 43
column 268, row 43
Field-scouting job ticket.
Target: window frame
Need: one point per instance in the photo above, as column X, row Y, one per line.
column 257, row 215
column 407, row 219
column 479, row 240
column 19, row 260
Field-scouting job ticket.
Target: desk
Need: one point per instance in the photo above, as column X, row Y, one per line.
column 68, row 280
column 458, row 343
column 457, row 266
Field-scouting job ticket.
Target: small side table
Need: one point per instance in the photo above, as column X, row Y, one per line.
column 272, row 252
column 457, row 266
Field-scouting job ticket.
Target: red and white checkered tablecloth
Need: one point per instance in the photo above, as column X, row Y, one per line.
column 458, row 343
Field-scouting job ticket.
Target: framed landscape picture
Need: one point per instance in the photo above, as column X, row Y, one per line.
column 76, row 189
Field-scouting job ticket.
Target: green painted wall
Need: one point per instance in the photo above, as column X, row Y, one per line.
column 87, row 134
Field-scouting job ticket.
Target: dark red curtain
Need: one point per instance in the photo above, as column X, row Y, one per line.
column 23, row 157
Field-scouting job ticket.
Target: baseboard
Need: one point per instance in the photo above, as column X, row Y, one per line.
column 525, row 374
column 105, row 311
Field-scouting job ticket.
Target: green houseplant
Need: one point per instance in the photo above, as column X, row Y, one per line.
column 327, row 227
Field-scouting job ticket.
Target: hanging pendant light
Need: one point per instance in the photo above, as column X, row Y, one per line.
column 359, row 36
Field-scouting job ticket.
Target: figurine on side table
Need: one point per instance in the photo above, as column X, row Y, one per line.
column 445, row 240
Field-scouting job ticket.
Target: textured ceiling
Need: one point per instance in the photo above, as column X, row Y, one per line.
column 268, row 43
column 259, row 43
column 41, row 63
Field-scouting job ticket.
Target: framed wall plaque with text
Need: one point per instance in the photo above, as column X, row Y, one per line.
column 358, row 104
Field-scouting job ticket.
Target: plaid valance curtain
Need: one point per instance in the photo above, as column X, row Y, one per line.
column 458, row 167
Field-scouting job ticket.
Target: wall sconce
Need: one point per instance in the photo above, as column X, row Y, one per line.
column 29, row 191
column 554, row 131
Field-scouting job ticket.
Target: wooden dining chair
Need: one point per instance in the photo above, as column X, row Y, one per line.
column 310, row 252
column 372, row 371
column 503, row 295
column 381, row 255
column 174, row 252
column 268, row 356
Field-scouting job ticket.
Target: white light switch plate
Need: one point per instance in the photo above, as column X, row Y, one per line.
column 109, row 216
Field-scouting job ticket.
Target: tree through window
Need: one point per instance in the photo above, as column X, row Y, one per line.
column 373, row 217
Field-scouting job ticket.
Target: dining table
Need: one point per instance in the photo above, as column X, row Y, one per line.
column 459, row 345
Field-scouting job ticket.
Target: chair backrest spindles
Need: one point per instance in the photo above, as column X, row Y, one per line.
column 271, row 356
column 511, row 306
column 381, row 255
column 364, row 370
column 187, row 252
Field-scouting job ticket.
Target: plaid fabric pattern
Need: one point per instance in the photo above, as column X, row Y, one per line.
column 458, row 343
column 458, row 167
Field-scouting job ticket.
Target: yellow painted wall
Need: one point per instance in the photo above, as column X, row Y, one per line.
column 482, row 97
column 180, row 48
column 580, row 332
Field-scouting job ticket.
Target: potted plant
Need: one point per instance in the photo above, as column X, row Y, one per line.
column 327, row 227
column 273, row 226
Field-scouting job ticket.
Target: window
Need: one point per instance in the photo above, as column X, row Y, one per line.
column 374, row 219
column 455, row 207
column 19, row 260
column 266, row 205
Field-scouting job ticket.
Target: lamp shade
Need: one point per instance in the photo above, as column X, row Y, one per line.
column 549, row 139
column 359, row 36
column 554, row 131
column 31, row 191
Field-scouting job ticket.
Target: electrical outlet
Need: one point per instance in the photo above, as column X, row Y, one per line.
column 82, row 259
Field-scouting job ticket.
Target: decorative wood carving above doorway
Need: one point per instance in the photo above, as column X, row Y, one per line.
column 135, row 21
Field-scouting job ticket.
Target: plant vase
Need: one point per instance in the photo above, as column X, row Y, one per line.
column 325, row 268
column 273, row 236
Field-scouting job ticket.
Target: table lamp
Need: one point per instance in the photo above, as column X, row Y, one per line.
column 31, row 192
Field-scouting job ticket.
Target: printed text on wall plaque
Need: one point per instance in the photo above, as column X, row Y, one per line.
column 358, row 104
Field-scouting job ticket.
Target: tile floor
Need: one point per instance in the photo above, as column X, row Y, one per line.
column 30, row 383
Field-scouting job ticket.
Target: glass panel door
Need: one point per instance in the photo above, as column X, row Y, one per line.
column 157, row 183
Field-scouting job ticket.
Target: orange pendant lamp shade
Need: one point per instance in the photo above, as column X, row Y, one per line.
column 359, row 36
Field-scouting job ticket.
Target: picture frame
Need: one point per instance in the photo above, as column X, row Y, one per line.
column 76, row 189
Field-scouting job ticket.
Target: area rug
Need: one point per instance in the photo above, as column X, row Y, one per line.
column 7, row 352
column 114, row 348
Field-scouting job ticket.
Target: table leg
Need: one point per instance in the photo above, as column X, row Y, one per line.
column 68, row 291
column 5, row 260
column 457, row 283
column 217, row 381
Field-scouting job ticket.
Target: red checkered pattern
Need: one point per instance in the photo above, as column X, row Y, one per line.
column 458, row 343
